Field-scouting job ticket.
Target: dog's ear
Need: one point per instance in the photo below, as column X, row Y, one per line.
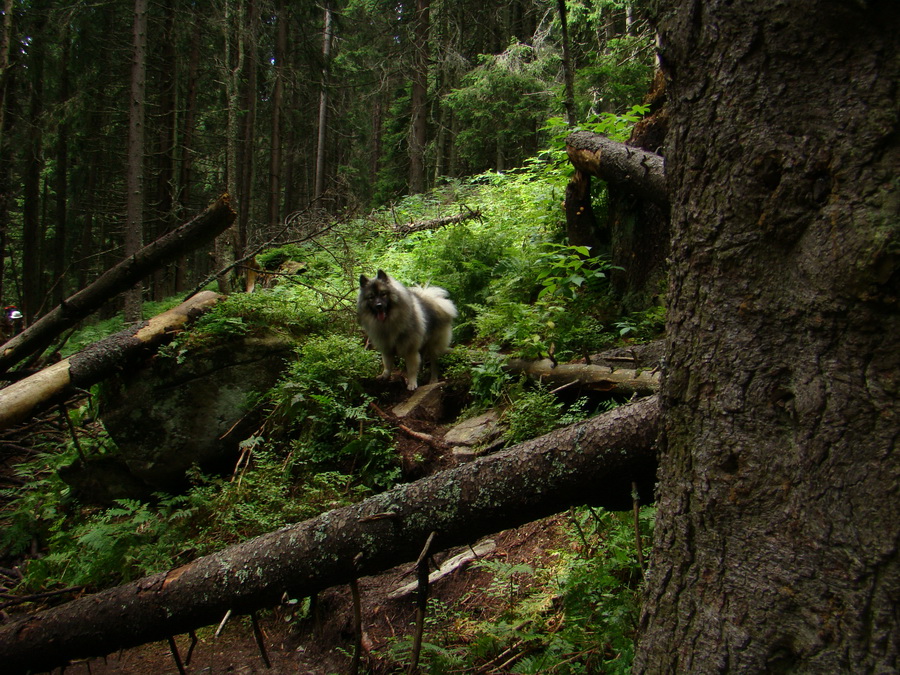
column 363, row 280
column 382, row 276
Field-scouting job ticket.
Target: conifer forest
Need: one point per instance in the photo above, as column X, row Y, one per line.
column 352, row 336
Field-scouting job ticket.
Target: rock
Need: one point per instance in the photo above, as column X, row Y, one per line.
column 425, row 403
column 475, row 431
column 167, row 417
column 463, row 454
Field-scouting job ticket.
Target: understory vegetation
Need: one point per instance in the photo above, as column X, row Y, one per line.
column 520, row 290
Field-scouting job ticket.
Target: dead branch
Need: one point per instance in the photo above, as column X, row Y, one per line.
column 640, row 172
column 19, row 400
column 117, row 279
column 435, row 223
column 625, row 381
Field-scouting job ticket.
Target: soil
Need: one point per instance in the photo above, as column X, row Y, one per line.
column 321, row 647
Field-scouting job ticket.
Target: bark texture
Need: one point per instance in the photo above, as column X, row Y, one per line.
column 20, row 400
column 640, row 172
column 625, row 381
column 590, row 462
column 776, row 547
column 167, row 248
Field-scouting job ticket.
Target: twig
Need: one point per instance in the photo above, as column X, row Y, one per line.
column 421, row 603
column 223, row 622
column 12, row 600
column 636, row 506
column 64, row 413
column 260, row 641
column 584, row 541
column 187, row 659
column 357, row 626
column 492, row 664
column 174, row 649
column 418, row 435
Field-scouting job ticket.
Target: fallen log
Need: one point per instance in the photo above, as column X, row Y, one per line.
column 115, row 280
column 594, row 461
column 625, row 381
column 637, row 171
column 21, row 399
column 434, row 223
column 448, row 567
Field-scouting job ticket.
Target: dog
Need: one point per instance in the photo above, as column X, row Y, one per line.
column 412, row 323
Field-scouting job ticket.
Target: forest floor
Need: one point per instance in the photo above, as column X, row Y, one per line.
column 323, row 647
column 324, row 643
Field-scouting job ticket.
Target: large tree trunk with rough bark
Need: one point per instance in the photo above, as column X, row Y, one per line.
column 591, row 462
column 776, row 546
column 200, row 230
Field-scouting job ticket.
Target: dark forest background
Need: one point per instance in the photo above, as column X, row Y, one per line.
column 122, row 120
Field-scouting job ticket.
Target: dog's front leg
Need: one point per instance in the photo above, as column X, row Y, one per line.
column 412, row 370
column 388, row 360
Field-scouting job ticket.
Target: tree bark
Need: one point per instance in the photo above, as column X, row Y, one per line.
column 590, row 462
column 134, row 209
column 776, row 547
column 20, row 400
column 640, row 172
column 327, row 36
column 418, row 134
column 198, row 231
column 626, row 381
column 568, row 73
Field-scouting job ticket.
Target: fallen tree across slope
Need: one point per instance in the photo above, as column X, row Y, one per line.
column 594, row 462
column 21, row 399
column 39, row 335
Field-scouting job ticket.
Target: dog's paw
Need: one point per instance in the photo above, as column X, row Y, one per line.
column 412, row 386
column 386, row 375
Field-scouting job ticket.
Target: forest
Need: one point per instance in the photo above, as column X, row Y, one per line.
column 662, row 440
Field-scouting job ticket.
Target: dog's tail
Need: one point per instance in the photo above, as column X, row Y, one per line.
column 439, row 299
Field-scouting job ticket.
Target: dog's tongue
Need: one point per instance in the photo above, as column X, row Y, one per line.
column 381, row 315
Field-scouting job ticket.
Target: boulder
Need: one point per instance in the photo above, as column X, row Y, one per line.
column 167, row 417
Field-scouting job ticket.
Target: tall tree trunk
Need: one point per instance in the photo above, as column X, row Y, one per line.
column 274, row 201
column 5, row 160
column 185, row 177
column 134, row 216
column 327, row 33
column 567, row 65
column 34, row 162
column 247, row 158
column 419, row 125
column 61, row 179
column 776, row 547
column 226, row 244
column 165, row 218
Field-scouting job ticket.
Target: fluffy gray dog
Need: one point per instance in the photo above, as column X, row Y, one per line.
column 410, row 322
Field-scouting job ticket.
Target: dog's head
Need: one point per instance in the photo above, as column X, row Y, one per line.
column 376, row 295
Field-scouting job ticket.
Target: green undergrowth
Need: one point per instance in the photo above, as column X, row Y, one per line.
column 573, row 610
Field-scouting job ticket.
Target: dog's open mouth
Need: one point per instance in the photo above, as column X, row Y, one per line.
column 380, row 314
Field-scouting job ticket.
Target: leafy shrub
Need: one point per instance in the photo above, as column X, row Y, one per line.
column 322, row 400
column 489, row 380
column 534, row 413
